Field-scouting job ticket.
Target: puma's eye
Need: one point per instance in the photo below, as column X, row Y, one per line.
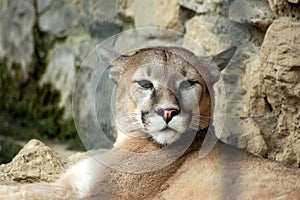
column 145, row 84
column 188, row 84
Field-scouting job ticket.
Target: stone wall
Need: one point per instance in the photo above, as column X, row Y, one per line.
column 262, row 81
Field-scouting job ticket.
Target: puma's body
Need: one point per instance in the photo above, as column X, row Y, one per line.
column 228, row 173
column 163, row 103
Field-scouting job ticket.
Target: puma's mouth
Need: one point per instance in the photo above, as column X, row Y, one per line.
column 166, row 136
column 161, row 131
column 167, row 128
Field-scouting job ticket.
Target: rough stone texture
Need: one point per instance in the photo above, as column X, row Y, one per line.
column 59, row 18
column 160, row 13
column 42, row 5
column 200, row 6
column 252, row 139
column 16, row 37
column 214, row 34
column 100, row 18
column 255, row 103
column 254, row 12
column 285, row 8
column 35, row 162
column 294, row 1
column 280, row 71
column 61, row 71
column 61, row 68
column 124, row 8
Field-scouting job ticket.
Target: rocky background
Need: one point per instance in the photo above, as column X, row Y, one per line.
column 44, row 42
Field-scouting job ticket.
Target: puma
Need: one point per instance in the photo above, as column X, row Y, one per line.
column 164, row 105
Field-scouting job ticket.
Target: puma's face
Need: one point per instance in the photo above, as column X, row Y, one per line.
column 161, row 94
column 166, row 99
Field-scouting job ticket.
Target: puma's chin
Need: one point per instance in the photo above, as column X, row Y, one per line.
column 166, row 136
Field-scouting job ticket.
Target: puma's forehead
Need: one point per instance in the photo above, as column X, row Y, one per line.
column 151, row 55
column 166, row 70
column 176, row 57
column 159, row 61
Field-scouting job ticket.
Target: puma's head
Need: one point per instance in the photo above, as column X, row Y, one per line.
column 163, row 92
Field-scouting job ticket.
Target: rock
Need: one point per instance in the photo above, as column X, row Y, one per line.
column 256, row 104
column 214, row 34
column 200, row 6
column 59, row 19
column 61, row 69
column 160, row 13
column 294, row 1
column 285, row 8
column 254, row 12
column 280, row 71
column 124, row 8
column 35, row 162
column 61, row 72
column 100, row 18
column 277, row 6
column 296, row 148
column 43, row 5
column 63, row 18
column 16, row 35
column 253, row 139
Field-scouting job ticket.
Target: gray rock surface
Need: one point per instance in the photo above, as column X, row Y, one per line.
column 16, row 34
column 100, row 18
column 200, row 6
column 43, row 5
column 61, row 71
column 63, row 60
column 59, row 18
column 254, row 12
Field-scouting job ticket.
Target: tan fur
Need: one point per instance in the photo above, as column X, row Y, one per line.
column 226, row 173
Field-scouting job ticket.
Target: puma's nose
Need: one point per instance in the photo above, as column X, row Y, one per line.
column 167, row 114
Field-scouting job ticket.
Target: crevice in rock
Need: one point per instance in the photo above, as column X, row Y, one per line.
column 185, row 14
column 268, row 105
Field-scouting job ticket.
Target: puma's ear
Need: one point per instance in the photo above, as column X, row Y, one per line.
column 223, row 58
column 107, row 57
